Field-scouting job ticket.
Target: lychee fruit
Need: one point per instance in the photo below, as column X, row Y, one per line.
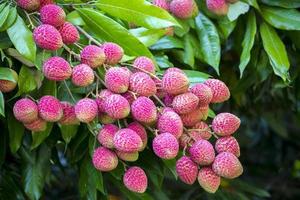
column 135, row 180
column 175, row 83
column 113, row 53
column 50, row 109
column 228, row 144
column 168, row 99
column 69, row 116
column 127, row 140
column 129, row 157
column 117, row 79
column 144, row 110
column 82, row 75
column 191, row 118
column 130, row 96
column 142, row 84
column 117, row 106
column 202, row 152
column 209, row 180
column 69, row 33
column 47, row 37
column 57, row 69
column 38, row 125
column 25, row 110
column 170, row 122
column 165, row 146
column 187, row 170
column 145, row 64
column 185, row 103
column 93, row 56
column 104, row 159
column 105, row 119
column 225, row 124
column 53, row 15
column 227, row 165
column 86, row 110
column 100, row 99
column 29, row 5
column 220, row 91
column 140, row 130
column 201, row 131
column 185, row 140
column 203, row 92
column 174, row 69
column 182, row 9
column 46, row 2
column 106, row 135
column 218, row 7
column 8, row 85
column 164, row 4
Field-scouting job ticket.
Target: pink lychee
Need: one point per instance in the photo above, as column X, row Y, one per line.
column 135, row 180
column 164, row 4
column 185, row 103
column 127, row 140
column 8, row 85
column 165, row 146
column 170, row 122
column 201, row 131
column 105, row 119
column 174, row 69
column 182, row 9
column 69, row 33
column 53, row 15
column 130, row 96
column 145, row 64
column 220, row 91
column 144, row 110
column 113, row 53
column 117, row 106
column 100, row 100
column 203, row 92
column 69, row 116
column 228, row 144
column 106, row 135
column 225, row 124
column 82, row 75
column 57, row 69
column 202, row 152
column 187, row 170
column 93, row 56
column 129, row 157
column 50, row 109
column 191, row 118
column 142, row 84
column 86, row 110
column 37, row 125
column 104, row 159
column 209, row 180
column 140, row 130
column 46, row 2
column 29, row 5
column 175, row 83
column 219, row 7
column 25, row 110
column 117, row 79
column 47, row 37
column 168, row 99
column 185, row 140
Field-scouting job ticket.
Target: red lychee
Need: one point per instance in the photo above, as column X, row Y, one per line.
column 29, row 5
column 69, row 33
column 187, row 170
column 200, row 131
column 100, row 100
column 53, row 15
column 86, row 110
column 168, row 99
column 57, row 69
column 203, row 92
column 129, row 96
column 145, row 64
column 46, row 2
column 140, row 130
column 185, row 103
column 202, row 152
column 129, row 157
column 142, row 84
column 218, row 7
column 135, row 180
column 127, row 140
column 117, row 79
column 220, row 91
column 164, row 4
column 175, row 83
column 144, row 110
column 106, row 135
column 69, row 116
column 47, row 37
column 104, row 159
column 93, row 56
column 37, row 125
column 225, row 124
column 228, row 144
column 25, row 110
column 117, row 106
column 209, row 180
column 170, row 122
column 182, row 9
column 165, row 146
column 113, row 53
column 82, row 75
column 190, row 119
column 50, row 109
column 8, row 85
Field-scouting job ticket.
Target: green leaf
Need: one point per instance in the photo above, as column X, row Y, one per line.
column 11, row 18
column 138, row 12
column 26, row 81
column 15, row 54
column 48, row 88
column 39, row 137
column 68, row 132
column 2, row 107
column 168, row 42
column 3, row 16
column 163, row 62
column 7, row 74
column 16, row 132
column 286, row 19
column 252, row 3
column 226, row 27
column 196, row 76
column 75, row 18
column 106, row 28
column 189, row 58
column 211, row 113
column 148, row 36
column 209, row 41
column 275, row 50
column 283, row 3
column 22, row 39
column 248, row 42
column 171, row 165
column 237, row 9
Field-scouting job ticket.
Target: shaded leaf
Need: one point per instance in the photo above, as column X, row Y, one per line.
column 39, row 137
column 6, row 74
column 283, row 3
column 26, row 81
column 2, row 106
column 16, row 132
column 68, row 132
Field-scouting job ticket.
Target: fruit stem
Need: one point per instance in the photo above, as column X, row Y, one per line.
column 71, row 52
column 159, row 101
column 88, row 36
column 150, row 74
column 69, row 91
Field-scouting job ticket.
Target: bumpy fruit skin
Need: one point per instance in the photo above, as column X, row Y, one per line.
column 46, row 2
column 144, row 64
column 25, row 110
column 209, row 180
column 170, row 122
column 219, row 7
column 50, row 109
column 182, row 9
column 82, row 75
column 165, row 146
column 203, row 92
column 187, row 170
column 184, row 140
column 29, row 5
column 57, row 69
column 100, row 100
column 113, row 52
column 129, row 96
column 93, row 56
column 225, row 124
column 185, row 103
column 117, row 106
column 127, row 140
column 69, row 33
column 142, row 84
column 135, row 180
column 47, row 37
column 140, row 130
column 174, row 69
column 202, row 152
column 104, row 159
column 164, row 4
column 106, row 135
column 227, row 165
column 37, row 125
column 202, row 131
column 168, row 99
column 117, row 79
column 86, row 110
column 228, row 144
column 105, row 119
column 220, row 91
column 190, row 119
column 53, row 15
column 8, row 86
column 129, row 157
column 144, row 110
column 175, row 83
column 69, row 116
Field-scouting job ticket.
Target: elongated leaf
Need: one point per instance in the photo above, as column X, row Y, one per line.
column 188, row 51
column 139, row 12
column 22, row 39
column 6, row 74
column 11, row 18
column 106, row 28
column 286, row 19
column 26, row 81
column 283, row 3
column 248, row 42
column 196, row 76
column 237, row 9
column 3, row 16
column 16, row 132
column 226, row 27
column 168, row 43
column 68, row 132
column 148, row 36
column 2, row 107
column 171, row 165
column 252, row 3
column 275, row 50
column 209, row 41
column 39, row 137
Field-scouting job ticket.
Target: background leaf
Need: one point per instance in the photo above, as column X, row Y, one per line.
column 16, row 132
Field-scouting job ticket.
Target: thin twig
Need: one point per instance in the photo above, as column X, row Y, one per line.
column 88, row 36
